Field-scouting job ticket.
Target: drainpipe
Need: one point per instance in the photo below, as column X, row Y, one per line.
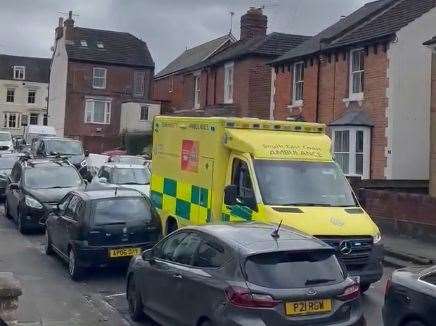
column 317, row 90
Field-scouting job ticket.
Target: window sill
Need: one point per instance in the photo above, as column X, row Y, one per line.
column 354, row 98
column 97, row 123
column 296, row 104
column 94, row 87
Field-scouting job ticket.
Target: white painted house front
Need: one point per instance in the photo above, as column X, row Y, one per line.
column 23, row 92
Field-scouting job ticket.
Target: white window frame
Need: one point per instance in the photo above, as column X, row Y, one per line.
column 197, row 90
column 297, row 101
column 140, row 112
column 171, row 84
column 352, row 95
column 28, row 96
column 100, row 45
column 13, row 97
column 94, row 77
column 6, row 117
column 83, row 43
column 352, row 149
column 30, row 118
column 89, row 108
column 21, row 70
column 229, row 82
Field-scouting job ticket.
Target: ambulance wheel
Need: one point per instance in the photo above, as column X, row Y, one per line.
column 171, row 225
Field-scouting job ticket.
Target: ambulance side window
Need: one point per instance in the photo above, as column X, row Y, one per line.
column 241, row 178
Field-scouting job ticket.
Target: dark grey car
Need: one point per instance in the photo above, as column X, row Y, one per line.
column 241, row 274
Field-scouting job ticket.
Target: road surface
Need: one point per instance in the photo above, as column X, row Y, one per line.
column 50, row 298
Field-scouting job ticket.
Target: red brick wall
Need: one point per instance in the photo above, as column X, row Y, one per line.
column 433, row 129
column 399, row 207
column 333, row 88
column 259, row 92
column 119, row 88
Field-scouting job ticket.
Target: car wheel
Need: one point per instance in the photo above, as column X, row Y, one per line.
column 206, row 323
column 73, row 266
column 7, row 213
column 135, row 304
column 20, row 223
column 364, row 287
column 48, row 245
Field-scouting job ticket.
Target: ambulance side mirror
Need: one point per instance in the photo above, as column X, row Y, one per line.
column 230, row 194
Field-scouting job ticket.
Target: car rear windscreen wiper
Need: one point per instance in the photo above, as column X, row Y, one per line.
column 318, row 281
column 115, row 223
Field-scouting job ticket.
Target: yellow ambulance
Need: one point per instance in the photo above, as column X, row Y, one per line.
column 210, row 170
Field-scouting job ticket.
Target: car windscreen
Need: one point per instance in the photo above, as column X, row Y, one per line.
column 120, row 210
column 7, row 163
column 291, row 183
column 52, row 177
column 285, row 270
column 133, row 176
column 57, row 146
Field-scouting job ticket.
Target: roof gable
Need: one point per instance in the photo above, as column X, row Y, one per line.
column 37, row 69
column 195, row 55
column 116, row 48
column 376, row 19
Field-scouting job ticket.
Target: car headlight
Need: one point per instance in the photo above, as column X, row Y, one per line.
column 377, row 238
column 32, row 202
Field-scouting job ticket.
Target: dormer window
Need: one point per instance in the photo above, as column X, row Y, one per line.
column 83, row 43
column 19, row 72
column 100, row 45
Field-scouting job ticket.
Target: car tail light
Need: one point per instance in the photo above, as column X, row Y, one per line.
column 242, row 297
column 352, row 292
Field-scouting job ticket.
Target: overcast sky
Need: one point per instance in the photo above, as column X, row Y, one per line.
column 168, row 26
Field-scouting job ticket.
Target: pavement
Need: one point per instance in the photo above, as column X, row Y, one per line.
column 50, row 298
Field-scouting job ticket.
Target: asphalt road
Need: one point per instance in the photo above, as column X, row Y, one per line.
column 50, row 298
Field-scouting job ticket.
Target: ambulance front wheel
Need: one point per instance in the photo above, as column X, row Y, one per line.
column 171, row 225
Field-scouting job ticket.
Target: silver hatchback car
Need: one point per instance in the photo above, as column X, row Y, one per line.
column 242, row 274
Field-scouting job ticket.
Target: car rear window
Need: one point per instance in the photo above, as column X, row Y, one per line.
column 121, row 210
column 283, row 270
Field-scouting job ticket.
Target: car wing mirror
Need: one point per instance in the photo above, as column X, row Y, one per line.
column 147, row 255
column 86, row 153
column 230, row 195
column 102, row 180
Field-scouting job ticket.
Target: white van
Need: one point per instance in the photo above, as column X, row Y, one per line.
column 34, row 131
column 6, row 144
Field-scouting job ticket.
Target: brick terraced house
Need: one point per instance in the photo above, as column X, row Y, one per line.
column 225, row 77
column 368, row 77
column 95, row 75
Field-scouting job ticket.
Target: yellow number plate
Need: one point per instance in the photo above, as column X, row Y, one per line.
column 124, row 252
column 308, row 307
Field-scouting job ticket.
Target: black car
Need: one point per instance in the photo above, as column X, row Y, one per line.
column 241, row 274
column 34, row 188
column 68, row 148
column 410, row 298
column 100, row 227
column 6, row 164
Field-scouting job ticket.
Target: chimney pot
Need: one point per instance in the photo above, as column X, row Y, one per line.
column 253, row 23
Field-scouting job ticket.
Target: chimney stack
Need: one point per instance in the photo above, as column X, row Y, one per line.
column 253, row 23
column 59, row 29
column 69, row 25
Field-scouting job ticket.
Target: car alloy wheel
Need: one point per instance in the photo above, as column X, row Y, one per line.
column 73, row 266
column 135, row 305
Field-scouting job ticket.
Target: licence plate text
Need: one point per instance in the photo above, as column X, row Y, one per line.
column 124, row 252
column 308, row 307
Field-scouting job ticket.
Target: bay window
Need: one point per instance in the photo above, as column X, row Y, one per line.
column 351, row 147
column 98, row 111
